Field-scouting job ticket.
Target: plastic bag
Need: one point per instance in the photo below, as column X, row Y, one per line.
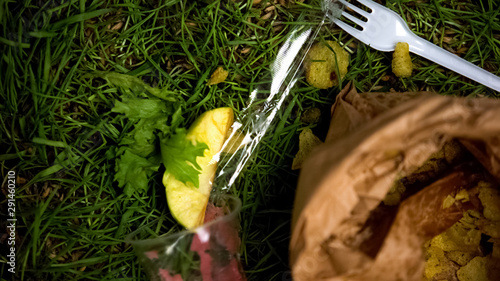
column 210, row 252
column 375, row 138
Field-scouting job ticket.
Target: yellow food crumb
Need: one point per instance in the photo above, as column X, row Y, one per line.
column 490, row 199
column 460, row 257
column 470, row 219
column 462, row 196
column 436, row 263
column 448, row 202
column 457, row 238
column 307, row 142
column 460, row 251
column 218, row 76
column 325, row 63
column 475, row 270
column 401, row 60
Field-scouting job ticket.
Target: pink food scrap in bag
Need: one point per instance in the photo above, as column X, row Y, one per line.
column 165, row 275
column 217, row 247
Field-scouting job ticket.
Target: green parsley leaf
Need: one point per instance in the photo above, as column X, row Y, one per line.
column 179, row 157
column 155, row 114
column 133, row 172
column 138, row 108
column 134, row 86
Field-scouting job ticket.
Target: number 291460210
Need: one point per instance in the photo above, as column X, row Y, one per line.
column 11, row 194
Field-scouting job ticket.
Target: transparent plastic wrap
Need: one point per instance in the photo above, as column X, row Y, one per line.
column 211, row 251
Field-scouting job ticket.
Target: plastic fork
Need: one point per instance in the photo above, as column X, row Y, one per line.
column 384, row 28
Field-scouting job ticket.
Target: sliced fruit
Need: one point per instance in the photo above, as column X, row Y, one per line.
column 187, row 202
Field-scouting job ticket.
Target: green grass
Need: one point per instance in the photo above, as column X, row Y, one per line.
column 58, row 134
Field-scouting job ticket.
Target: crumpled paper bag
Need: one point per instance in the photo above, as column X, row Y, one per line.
column 373, row 139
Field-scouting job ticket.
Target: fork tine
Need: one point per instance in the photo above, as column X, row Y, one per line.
column 355, row 9
column 354, row 19
column 347, row 28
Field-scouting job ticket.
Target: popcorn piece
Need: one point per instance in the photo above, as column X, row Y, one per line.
column 401, row 60
column 325, row 63
column 307, row 142
column 218, row 76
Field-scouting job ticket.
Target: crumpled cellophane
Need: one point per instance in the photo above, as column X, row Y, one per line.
column 211, row 251
column 373, row 139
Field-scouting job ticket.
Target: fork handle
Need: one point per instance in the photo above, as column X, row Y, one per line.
column 453, row 62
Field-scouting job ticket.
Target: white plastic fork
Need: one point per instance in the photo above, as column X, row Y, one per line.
column 384, row 28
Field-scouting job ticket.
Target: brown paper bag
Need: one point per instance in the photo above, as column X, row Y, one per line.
column 373, row 139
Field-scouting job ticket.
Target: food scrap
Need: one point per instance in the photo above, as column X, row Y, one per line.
column 189, row 165
column 437, row 164
column 326, row 64
column 307, row 142
column 465, row 251
column 166, row 276
column 219, row 76
column 469, row 249
column 457, row 254
column 401, row 60
column 490, row 198
column 153, row 113
column 311, row 115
